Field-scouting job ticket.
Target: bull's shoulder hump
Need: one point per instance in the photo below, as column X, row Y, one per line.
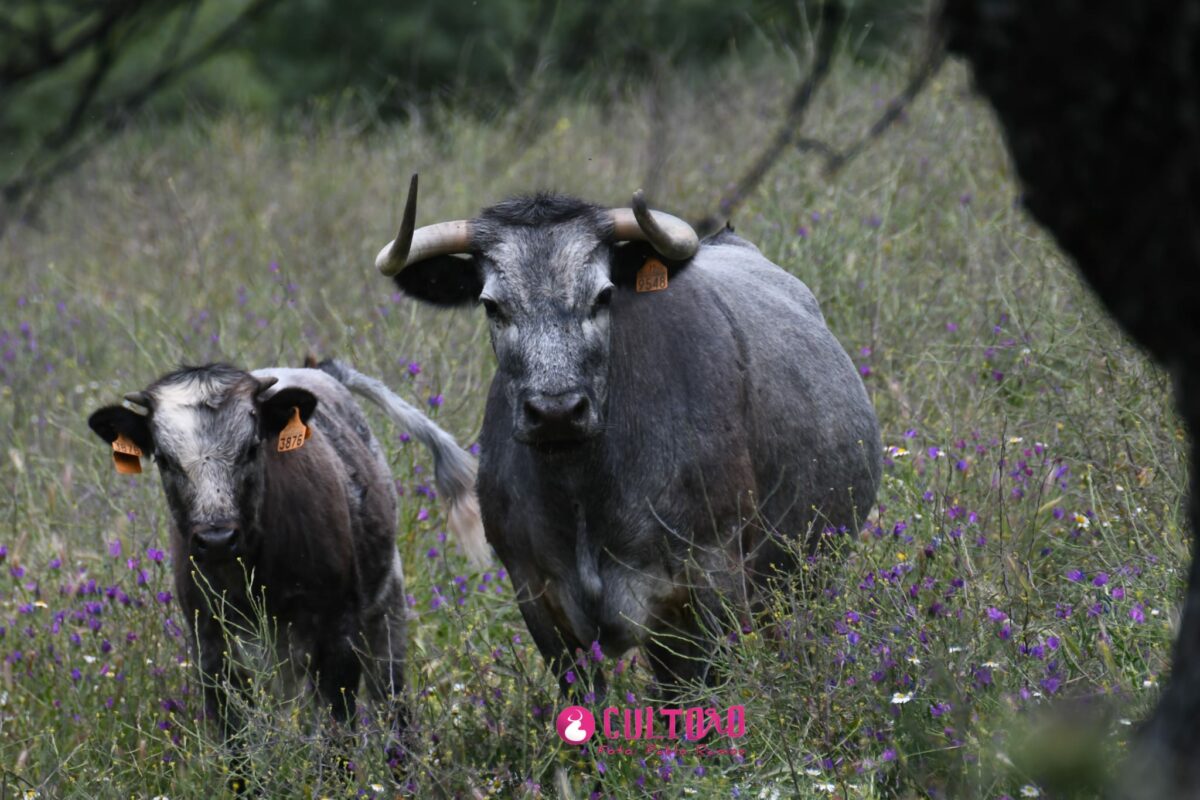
column 738, row 269
column 726, row 237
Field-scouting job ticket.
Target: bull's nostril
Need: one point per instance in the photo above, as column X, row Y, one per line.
column 557, row 416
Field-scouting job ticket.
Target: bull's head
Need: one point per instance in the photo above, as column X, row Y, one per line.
column 205, row 428
column 545, row 269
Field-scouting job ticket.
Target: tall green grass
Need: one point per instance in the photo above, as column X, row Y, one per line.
column 995, row 632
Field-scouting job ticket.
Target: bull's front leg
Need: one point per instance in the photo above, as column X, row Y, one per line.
column 680, row 650
column 556, row 644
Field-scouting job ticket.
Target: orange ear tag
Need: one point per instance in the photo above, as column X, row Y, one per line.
column 294, row 434
column 652, row 277
column 127, row 456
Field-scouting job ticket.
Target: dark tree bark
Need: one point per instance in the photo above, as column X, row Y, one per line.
column 1100, row 103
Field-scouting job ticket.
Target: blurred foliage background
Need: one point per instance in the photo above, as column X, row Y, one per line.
column 226, row 171
column 74, row 71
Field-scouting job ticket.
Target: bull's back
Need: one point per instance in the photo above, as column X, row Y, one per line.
column 748, row 375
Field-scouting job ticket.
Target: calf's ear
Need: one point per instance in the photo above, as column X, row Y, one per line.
column 442, row 280
column 275, row 410
column 112, row 421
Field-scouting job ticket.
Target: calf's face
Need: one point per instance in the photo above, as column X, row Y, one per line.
column 207, row 430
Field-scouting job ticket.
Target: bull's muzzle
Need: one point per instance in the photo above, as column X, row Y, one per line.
column 557, row 418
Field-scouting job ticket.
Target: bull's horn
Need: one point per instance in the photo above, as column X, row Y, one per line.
column 411, row 246
column 670, row 236
column 264, row 384
column 138, row 399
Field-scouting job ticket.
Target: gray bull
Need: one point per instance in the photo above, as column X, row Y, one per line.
column 310, row 518
column 663, row 411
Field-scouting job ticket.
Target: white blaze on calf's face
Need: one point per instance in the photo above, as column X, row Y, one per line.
column 206, row 439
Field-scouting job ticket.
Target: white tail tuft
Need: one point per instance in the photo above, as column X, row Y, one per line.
column 467, row 527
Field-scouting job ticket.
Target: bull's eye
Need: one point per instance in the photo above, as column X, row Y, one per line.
column 165, row 462
column 250, row 453
column 602, row 301
column 492, row 309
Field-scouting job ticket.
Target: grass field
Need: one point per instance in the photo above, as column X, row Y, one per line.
column 998, row 632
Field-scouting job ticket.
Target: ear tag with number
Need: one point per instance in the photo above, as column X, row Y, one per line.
column 294, row 434
column 127, row 456
column 652, row 277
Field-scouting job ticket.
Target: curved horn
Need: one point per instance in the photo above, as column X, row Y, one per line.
column 411, row 246
column 138, row 399
column 670, row 236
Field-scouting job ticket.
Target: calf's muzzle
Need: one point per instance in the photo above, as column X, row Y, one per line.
column 215, row 541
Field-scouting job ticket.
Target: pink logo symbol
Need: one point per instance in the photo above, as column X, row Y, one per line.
column 575, row 724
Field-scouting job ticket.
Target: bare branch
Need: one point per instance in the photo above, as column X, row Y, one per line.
column 131, row 101
column 835, row 159
column 115, row 111
column 15, row 70
column 935, row 56
column 105, row 53
column 828, row 25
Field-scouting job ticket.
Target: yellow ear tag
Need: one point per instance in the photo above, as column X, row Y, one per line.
column 294, row 434
column 127, row 456
column 652, row 277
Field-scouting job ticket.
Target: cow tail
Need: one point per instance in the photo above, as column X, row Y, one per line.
column 453, row 467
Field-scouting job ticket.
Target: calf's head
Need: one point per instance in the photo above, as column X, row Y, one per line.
column 207, row 429
column 545, row 269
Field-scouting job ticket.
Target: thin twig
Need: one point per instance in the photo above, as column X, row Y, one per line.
column 829, row 24
column 835, row 159
column 105, row 56
column 935, row 56
column 14, row 71
column 118, row 110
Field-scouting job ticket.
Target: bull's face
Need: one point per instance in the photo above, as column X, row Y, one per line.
column 208, row 429
column 545, row 270
column 546, row 292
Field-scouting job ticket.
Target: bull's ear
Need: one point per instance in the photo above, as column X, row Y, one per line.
column 442, row 280
column 628, row 258
column 112, row 421
column 275, row 410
